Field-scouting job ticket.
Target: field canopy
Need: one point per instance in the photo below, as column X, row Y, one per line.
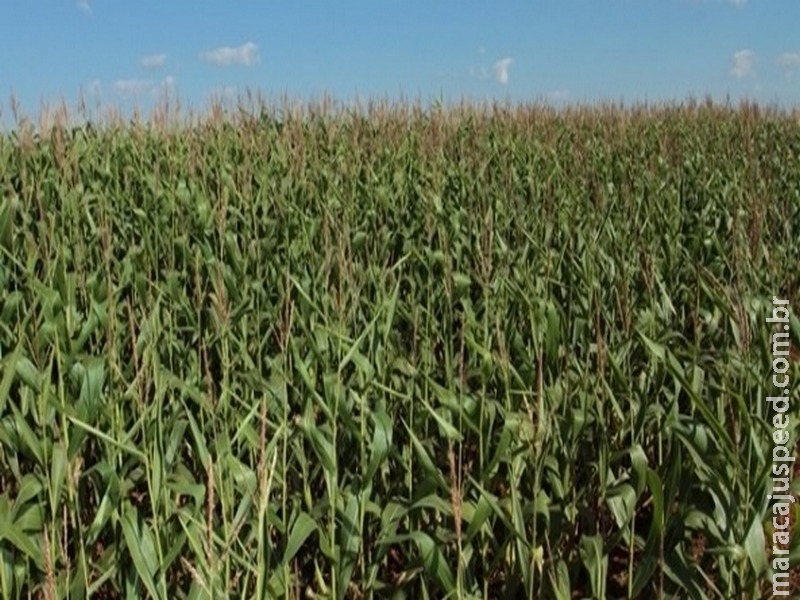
column 474, row 352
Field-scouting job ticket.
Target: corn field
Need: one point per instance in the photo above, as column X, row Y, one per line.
column 396, row 352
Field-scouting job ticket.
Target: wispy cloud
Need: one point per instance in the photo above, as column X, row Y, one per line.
column 501, row 68
column 95, row 87
column 133, row 86
column 85, row 6
column 223, row 94
column 743, row 64
column 153, row 61
column 736, row 3
column 479, row 73
column 789, row 60
column 136, row 87
column 246, row 54
column 223, row 90
column 558, row 95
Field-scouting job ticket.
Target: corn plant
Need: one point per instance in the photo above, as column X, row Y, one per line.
column 479, row 351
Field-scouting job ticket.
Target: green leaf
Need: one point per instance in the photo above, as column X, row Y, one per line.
column 425, row 459
column 58, row 471
column 322, row 446
column 621, row 501
column 28, row 374
column 22, row 541
column 140, row 545
column 381, row 442
column 649, row 561
column 350, row 532
column 30, row 488
column 595, row 562
column 302, row 527
column 754, row 545
column 434, row 561
column 482, row 511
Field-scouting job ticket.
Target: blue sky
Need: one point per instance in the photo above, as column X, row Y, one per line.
column 121, row 53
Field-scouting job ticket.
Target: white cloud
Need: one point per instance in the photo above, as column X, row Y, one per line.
column 227, row 91
column 137, row 87
column 743, row 64
column 479, row 73
column 85, row 6
column 500, row 69
column 246, row 54
column 224, row 94
column 133, row 86
column 789, row 60
column 95, row 87
column 736, row 3
column 558, row 95
column 153, row 61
